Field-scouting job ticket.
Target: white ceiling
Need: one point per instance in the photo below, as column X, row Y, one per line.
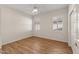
column 27, row 8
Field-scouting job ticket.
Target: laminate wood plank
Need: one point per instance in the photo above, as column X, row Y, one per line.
column 36, row 45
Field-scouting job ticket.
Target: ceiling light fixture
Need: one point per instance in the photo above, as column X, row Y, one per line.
column 35, row 10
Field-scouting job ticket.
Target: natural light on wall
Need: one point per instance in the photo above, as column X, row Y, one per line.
column 28, row 24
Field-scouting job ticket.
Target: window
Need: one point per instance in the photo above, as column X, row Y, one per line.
column 57, row 23
column 37, row 26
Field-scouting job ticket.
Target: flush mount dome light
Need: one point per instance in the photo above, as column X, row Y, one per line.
column 35, row 10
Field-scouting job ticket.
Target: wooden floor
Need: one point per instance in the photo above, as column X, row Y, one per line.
column 36, row 45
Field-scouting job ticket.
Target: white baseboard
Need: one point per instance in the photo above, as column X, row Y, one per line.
column 49, row 38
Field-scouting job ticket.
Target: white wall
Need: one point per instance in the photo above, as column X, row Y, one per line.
column 46, row 25
column 14, row 25
column 0, row 29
